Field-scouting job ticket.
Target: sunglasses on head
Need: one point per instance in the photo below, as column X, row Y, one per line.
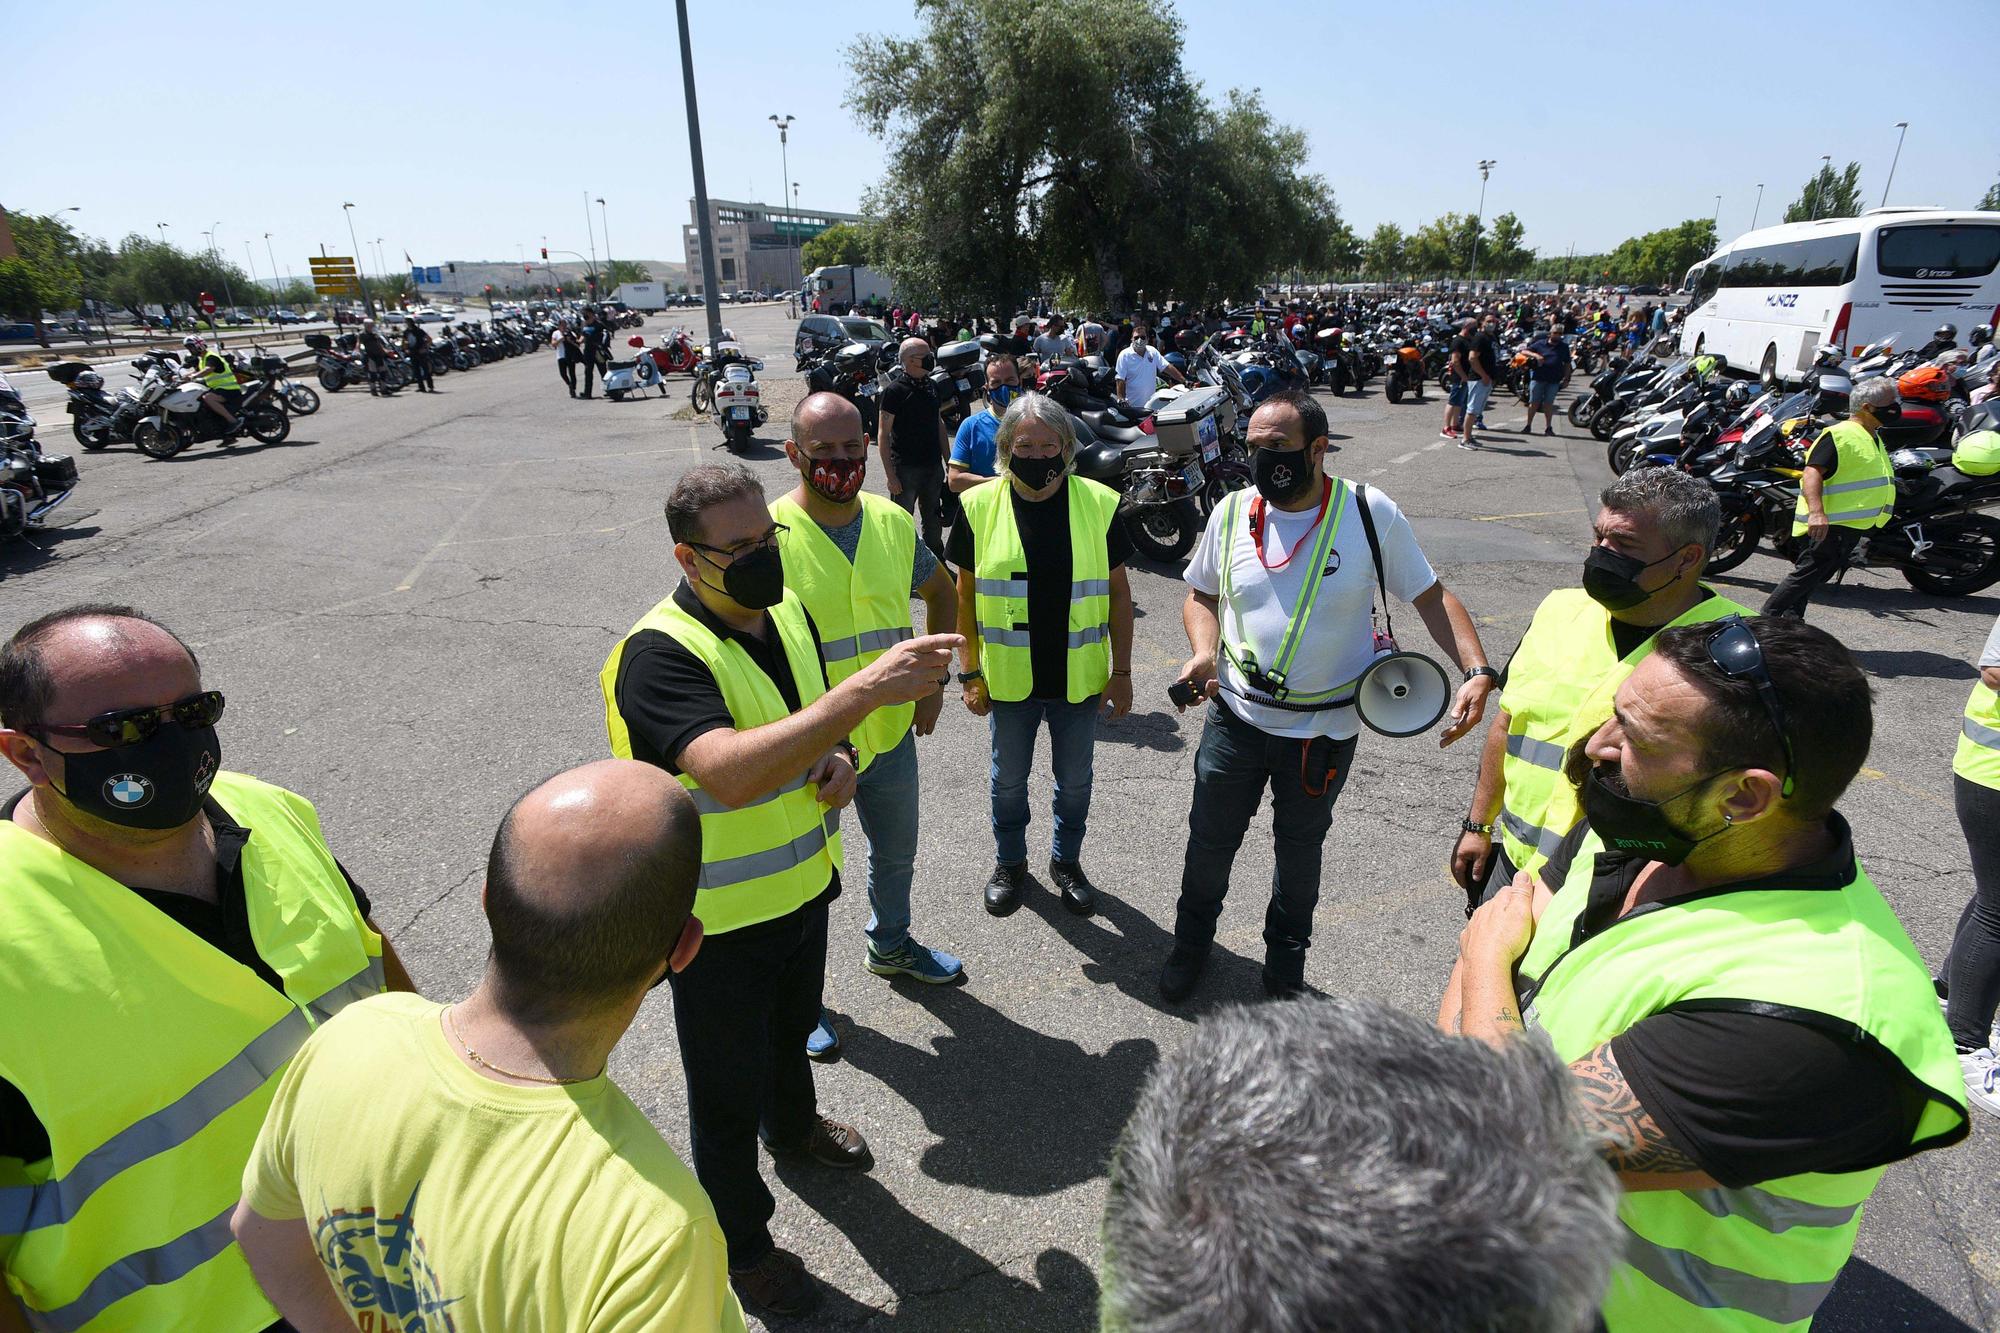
column 129, row 726
column 1734, row 649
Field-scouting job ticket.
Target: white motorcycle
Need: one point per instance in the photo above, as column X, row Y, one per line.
column 727, row 382
column 179, row 418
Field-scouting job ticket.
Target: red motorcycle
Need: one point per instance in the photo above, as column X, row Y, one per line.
column 676, row 354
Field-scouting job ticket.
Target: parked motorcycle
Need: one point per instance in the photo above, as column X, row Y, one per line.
column 299, row 399
column 726, row 384
column 1403, row 371
column 636, row 376
column 32, row 483
column 179, row 418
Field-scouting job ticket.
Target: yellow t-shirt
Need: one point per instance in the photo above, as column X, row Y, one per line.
column 440, row 1200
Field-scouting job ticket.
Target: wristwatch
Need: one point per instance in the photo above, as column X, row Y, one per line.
column 1470, row 827
column 967, row 677
column 1483, row 671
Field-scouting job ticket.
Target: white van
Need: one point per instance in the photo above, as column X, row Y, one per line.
column 1767, row 299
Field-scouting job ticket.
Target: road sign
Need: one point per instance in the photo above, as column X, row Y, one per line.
column 207, row 304
column 417, row 273
column 334, row 275
column 433, row 277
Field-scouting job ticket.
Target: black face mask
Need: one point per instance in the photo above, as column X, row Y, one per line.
column 1037, row 473
column 157, row 783
column 1635, row 827
column 755, row 580
column 1282, row 475
column 1612, row 577
column 1888, row 414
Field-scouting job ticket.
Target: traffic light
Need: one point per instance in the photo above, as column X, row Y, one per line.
column 527, row 268
column 545, row 252
column 489, row 289
column 453, row 267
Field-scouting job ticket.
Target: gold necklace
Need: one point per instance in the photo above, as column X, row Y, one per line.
column 484, row 1063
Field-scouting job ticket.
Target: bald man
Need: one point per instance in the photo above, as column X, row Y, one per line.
column 854, row 560
column 913, row 440
column 173, row 933
column 475, row 1159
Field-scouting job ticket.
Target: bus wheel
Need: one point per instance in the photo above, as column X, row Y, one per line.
column 1767, row 374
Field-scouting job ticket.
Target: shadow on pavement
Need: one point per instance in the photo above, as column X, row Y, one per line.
column 1125, row 948
column 917, row 1261
column 1143, row 731
column 1866, row 1300
column 1914, row 662
column 1016, row 1111
column 37, row 548
column 206, row 452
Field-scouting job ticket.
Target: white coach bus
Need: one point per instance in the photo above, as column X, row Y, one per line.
column 1767, row 299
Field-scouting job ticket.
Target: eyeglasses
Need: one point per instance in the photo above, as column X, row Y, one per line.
column 770, row 538
column 129, row 726
column 1737, row 654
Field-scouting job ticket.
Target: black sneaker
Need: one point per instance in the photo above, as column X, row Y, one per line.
column 1079, row 895
column 1280, row 987
column 1003, row 890
column 1181, row 971
column 778, row 1284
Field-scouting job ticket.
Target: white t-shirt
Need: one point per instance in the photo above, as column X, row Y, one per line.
column 1337, row 645
column 1141, row 372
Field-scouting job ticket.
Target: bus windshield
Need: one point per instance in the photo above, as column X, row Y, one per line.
column 1968, row 251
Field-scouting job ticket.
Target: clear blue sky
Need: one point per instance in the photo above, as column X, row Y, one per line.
column 461, row 131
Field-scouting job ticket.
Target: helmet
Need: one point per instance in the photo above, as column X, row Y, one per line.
column 1978, row 454
column 90, row 379
column 1737, row 394
column 1948, row 332
column 1980, row 335
column 192, row 343
column 1925, row 384
column 1910, row 463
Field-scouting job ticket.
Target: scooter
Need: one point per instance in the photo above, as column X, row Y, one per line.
column 636, row 376
column 727, row 383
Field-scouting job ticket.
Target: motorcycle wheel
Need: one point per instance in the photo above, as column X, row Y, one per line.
column 1620, row 455
column 703, row 396
column 737, row 436
column 1735, row 543
column 397, row 375
column 157, row 441
column 1602, row 424
column 1165, row 533
column 87, row 440
column 302, row 400
column 268, row 425
column 331, row 382
column 1580, row 411
column 1971, row 547
column 615, row 395
column 1393, row 390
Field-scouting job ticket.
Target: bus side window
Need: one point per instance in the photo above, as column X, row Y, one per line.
column 1708, row 282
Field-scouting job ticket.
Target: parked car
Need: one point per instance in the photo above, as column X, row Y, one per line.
column 17, row 333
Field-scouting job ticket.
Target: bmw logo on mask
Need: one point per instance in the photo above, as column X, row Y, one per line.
column 128, row 791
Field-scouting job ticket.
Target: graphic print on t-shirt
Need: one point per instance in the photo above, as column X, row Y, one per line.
column 379, row 1267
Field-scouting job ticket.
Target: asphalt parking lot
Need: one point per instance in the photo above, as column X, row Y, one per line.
column 408, row 603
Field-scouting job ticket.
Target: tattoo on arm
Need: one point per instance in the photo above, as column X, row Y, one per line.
column 1630, row 1139
column 1507, row 1021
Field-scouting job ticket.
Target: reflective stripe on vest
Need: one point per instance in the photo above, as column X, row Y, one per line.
column 152, row 1089
column 1560, row 686
column 777, row 852
column 1235, row 643
column 1977, row 758
column 1726, row 1258
column 1000, row 589
column 860, row 606
column 1867, row 482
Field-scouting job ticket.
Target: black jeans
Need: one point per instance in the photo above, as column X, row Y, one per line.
column 1819, row 562
column 1231, row 770
column 420, row 368
column 1972, row 969
column 923, row 495
column 566, row 367
column 589, row 370
column 743, row 1010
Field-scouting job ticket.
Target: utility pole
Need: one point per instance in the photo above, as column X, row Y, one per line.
column 272, row 255
column 1715, row 223
column 216, row 254
column 1759, row 208
column 702, row 225
column 610, row 275
column 1819, row 184
column 784, row 123
column 367, row 301
column 1486, row 165
column 591, row 228
column 1902, row 129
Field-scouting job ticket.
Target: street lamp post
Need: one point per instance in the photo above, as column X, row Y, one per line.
column 82, row 292
column 610, row 275
column 1716, row 221
column 1486, row 165
column 367, row 301
column 591, row 229
column 784, row 123
column 1902, row 129
column 1759, row 207
column 215, row 253
column 272, row 255
column 703, row 227
column 1819, row 184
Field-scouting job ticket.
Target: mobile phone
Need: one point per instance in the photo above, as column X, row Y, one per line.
column 1183, row 693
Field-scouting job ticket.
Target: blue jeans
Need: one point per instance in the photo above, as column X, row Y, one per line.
column 1476, row 393
column 1072, row 739
column 886, row 799
column 1231, row 769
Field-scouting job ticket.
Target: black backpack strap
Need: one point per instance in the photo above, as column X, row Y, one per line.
column 1374, row 550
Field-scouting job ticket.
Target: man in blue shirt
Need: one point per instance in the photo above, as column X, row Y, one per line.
column 1548, row 356
column 972, row 451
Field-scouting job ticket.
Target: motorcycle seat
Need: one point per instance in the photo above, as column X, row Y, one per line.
column 620, row 365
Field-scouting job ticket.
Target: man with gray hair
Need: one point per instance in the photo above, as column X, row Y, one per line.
column 914, row 442
column 1273, row 1177
column 1847, row 488
column 1653, row 536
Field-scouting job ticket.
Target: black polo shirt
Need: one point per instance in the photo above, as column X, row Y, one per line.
column 668, row 696
column 223, row 924
column 1756, row 1096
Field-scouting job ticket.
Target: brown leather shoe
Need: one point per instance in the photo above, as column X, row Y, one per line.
column 778, row 1284
column 830, row 1144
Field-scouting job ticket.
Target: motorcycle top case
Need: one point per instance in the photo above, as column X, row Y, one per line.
column 65, row 372
column 958, row 356
column 319, row 342
column 55, row 471
column 1189, row 406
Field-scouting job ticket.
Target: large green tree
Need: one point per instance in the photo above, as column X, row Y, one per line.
column 842, row 243
column 1063, row 140
column 1990, row 201
column 1382, row 258
column 45, row 273
column 1828, row 194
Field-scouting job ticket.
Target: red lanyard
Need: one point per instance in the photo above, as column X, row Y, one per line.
column 1257, row 526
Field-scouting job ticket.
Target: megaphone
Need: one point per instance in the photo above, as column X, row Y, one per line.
column 1401, row 694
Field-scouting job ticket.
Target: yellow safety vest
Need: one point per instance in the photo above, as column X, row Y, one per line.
column 1560, row 685
column 150, row 1056
column 1978, row 757
column 1862, row 490
column 861, row 606
column 774, row 855
column 217, row 373
column 1761, row 1257
column 1000, row 582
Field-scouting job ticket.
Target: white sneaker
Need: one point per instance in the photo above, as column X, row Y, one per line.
column 1982, row 1078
